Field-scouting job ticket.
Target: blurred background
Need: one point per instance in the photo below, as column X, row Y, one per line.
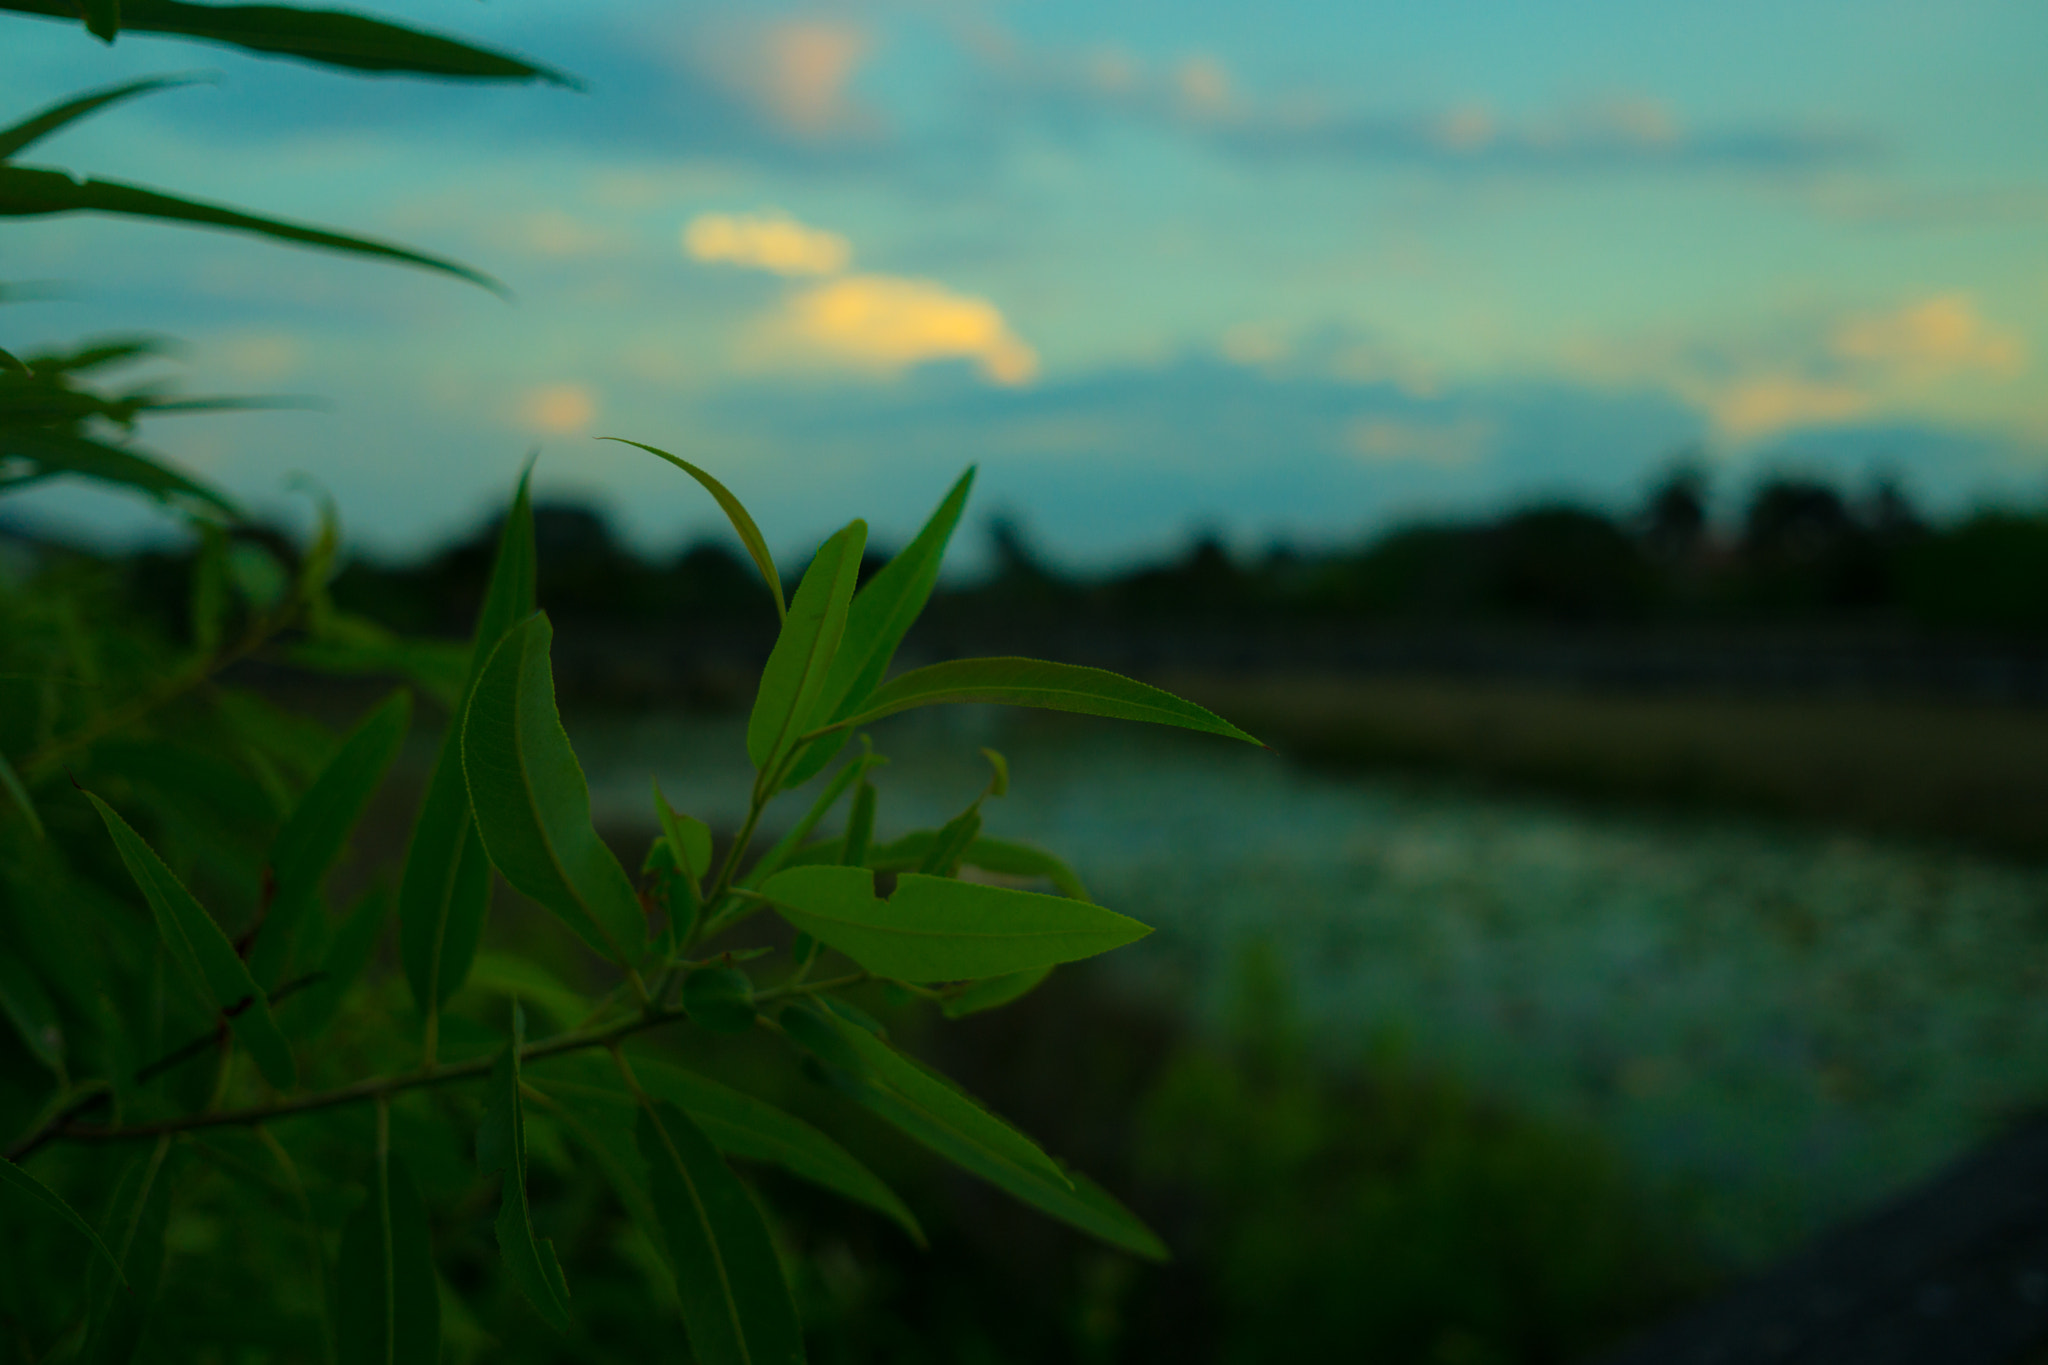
column 1600, row 447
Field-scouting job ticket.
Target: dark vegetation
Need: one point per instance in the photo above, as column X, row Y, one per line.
column 1802, row 553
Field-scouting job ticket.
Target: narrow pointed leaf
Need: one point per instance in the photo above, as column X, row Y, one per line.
column 736, row 1305
column 313, row 836
column 929, row 1108
column 882, row 613
column 1010, row 859
column 860, row 826
column 532, row 804
column 10, row 782
column 785, row 847
column 719, row 999
column 995, row 992
column 348, row 954
column 58, row 452
column 527, row 980
column 199, row 946
column 689, row 842
column 955, row 838
column 26, row 1186
column 33, row 191
column 326, row 37
column 795, row 673
column 103, row 19
column 134, row 1230
column 10, row 361
column 749, row 533
column 737, row 1123
column 938, row 929
column 28, row 1006
column 41, row 124
column 447, row 880
column 1034, row 682
column 501, row 1146
column 390, row 1306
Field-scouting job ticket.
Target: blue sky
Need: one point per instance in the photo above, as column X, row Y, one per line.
column 1280, row 271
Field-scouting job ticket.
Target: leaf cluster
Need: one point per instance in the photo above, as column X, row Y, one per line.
column 262, row 972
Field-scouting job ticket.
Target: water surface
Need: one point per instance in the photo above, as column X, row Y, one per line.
column 1784, row 1024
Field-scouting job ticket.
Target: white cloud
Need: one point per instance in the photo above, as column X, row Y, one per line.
column 770, row 240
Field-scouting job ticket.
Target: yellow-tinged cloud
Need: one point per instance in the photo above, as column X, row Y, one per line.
column 1446, row 444
column 558, row 409
column 886, row 324
column 1933, row 338
column 796, row 71
column 766, row 241
column 1764, row 405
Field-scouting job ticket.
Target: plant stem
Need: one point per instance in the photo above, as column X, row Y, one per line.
column 381, row 1088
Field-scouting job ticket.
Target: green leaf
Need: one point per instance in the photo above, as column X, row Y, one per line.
column 501, row 1146
column 860, row 826
column 313, row 836
column 938, row 929
column 531, row 983
column 999, row 784
column 41, row 124
column 58, row 452
column 958, row 835
column 10, row 361
column 790, row 842
column 28, row 1006
column 10, row 781
column 328, row 37
column 389, row 1309
column 995, row 992
column 1033, row 682
column 750, row 534
column 882, row 612
column 203, row 951
column 736, row 1306
column 13, row 1177
column 32, row 191
column 1008, row 859
column 447, row 881
column 103, row 19
column 929, row 1108
column 720, row 999
column 689, row 842
column 795, row 673
column 354, row 943
column 738, row 1124
column 134, row 1227
column 531, row 803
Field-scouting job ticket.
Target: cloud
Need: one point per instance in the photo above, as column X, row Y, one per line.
column 556, row 234
column 1821, row 372
column 1076, row 92
column 885, row 324
column 1450, row 443
column 771, row 241
column 1766, row 405
column 558, row 409
column 1930, row 339
column 796, row 71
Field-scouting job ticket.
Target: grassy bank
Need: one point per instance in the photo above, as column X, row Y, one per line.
column 1972, row 773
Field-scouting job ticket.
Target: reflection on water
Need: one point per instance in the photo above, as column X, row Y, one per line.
column 1782, row 1025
